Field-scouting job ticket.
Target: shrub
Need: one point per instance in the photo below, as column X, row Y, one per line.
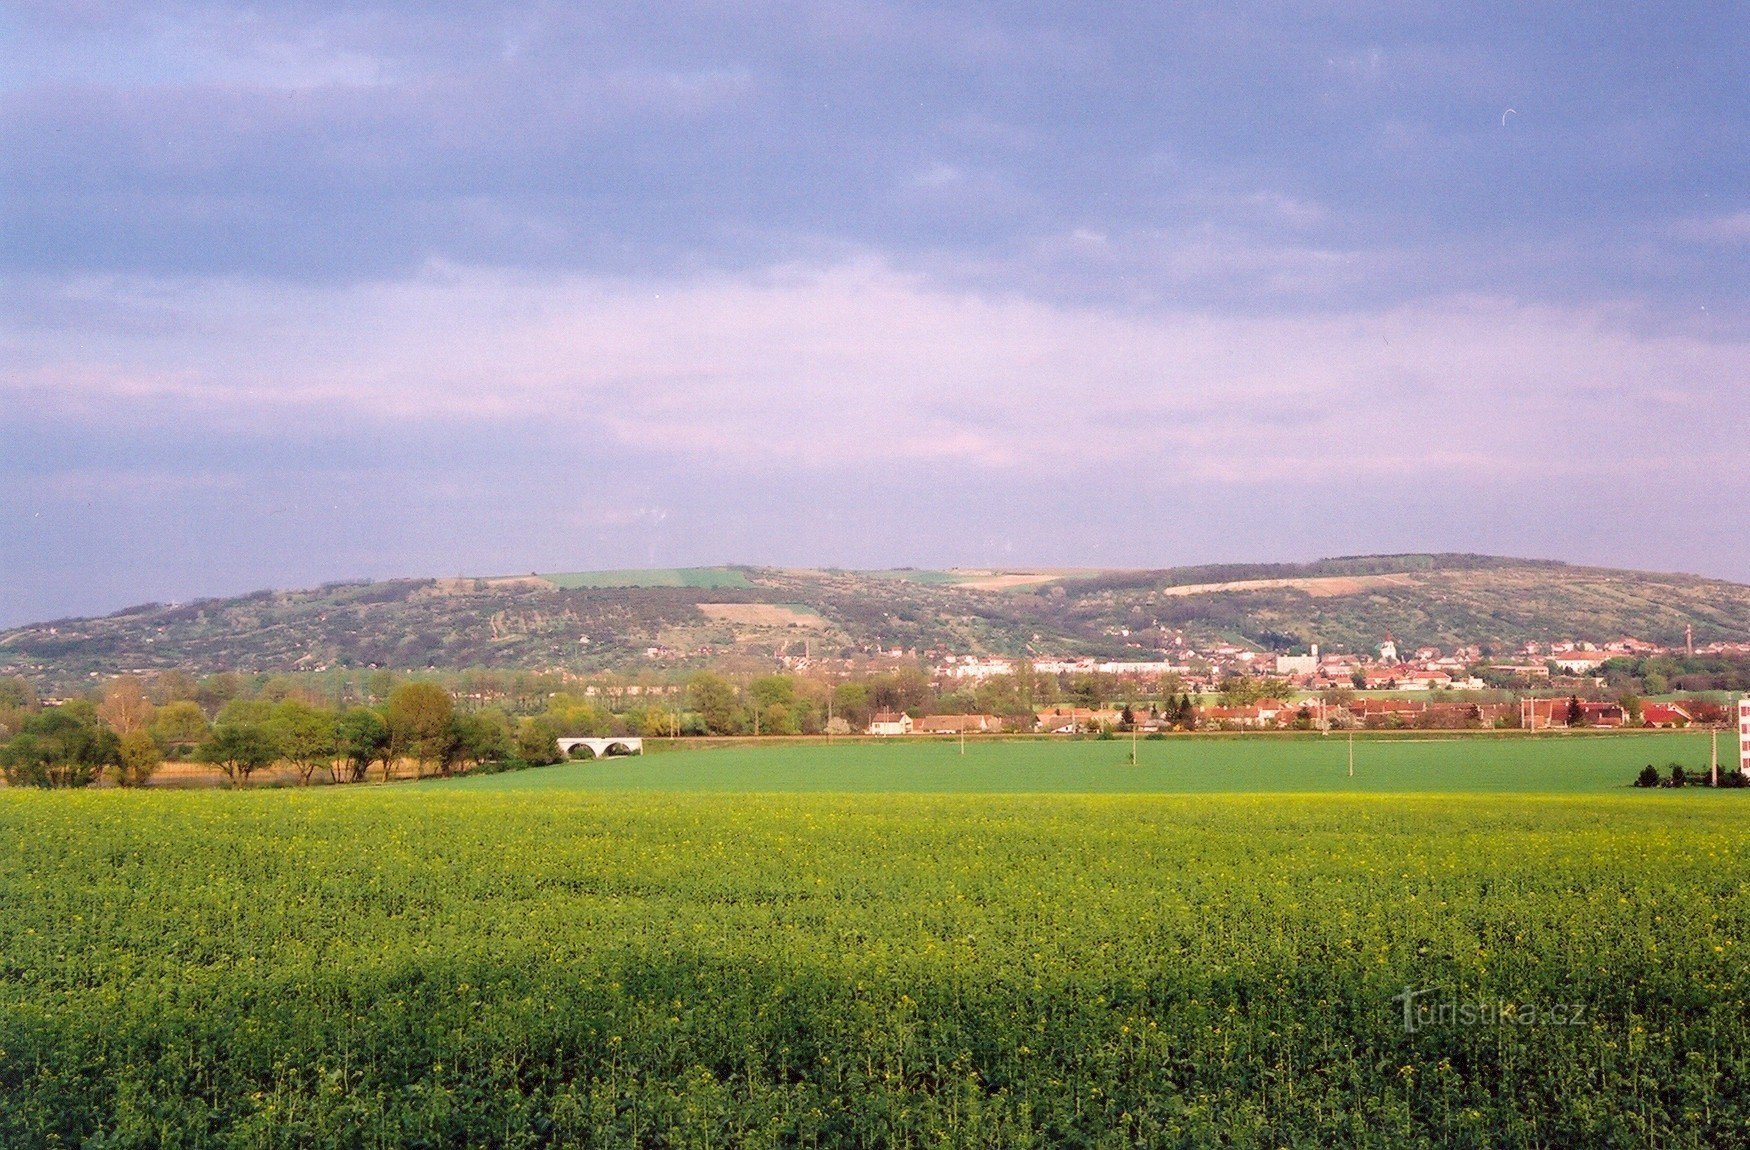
column 1649, row 776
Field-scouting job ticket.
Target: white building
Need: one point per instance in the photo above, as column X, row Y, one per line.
column 1298, row 664
column 1744, row 735
column 891, row 723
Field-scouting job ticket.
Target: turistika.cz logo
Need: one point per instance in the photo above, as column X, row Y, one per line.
column 1422, row 1010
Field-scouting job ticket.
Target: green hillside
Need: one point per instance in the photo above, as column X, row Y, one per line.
column 625, row 620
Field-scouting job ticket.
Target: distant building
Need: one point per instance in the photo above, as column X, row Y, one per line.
column 1298, row 664
column 1744, row 735
column 956, row 724
column 890, row 723
column 1388, row 650
column 1665, row 715
column 1581, row 662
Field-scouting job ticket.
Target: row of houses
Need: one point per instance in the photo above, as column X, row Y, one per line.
column 1276, row 714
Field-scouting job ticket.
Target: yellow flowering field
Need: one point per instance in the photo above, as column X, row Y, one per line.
column 401, row 967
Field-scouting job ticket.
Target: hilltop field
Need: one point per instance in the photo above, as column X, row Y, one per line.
column 726, row 948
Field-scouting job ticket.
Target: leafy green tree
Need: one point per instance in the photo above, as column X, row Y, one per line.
column 651, row 722
column 66, row 746
column 772, row 690
column 255, row 711
column 138, row 758
column 536, row 743
column 574, row 717
column 1241, row 691
column 477, row 737
column 179, row 726
column 306, row 736
column 851, row 702
column 361, row 738
column 778, row 719
column 239, row 749
column 419, row 717
column 715, row 700
column 16, row 691
column 18, row 702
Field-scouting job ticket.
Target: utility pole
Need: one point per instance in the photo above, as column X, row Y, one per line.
column 1351, row 752
column 1714, row 771
column 962, row 735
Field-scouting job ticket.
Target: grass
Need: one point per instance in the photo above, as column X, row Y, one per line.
column 1560, row 764
column 704, row 577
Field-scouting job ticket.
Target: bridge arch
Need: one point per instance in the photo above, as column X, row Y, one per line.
column 601, row 748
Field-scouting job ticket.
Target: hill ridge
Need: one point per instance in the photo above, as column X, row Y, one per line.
column 667, row 617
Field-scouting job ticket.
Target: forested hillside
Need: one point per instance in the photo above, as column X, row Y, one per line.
column 622, row 620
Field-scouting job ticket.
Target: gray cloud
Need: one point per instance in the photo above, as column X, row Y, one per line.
column 858, row 282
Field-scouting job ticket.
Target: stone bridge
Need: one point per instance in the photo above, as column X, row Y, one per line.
column 600, row 748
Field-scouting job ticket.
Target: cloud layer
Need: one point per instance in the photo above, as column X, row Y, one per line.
column 404, row 289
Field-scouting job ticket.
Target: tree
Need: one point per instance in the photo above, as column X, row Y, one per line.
column 179, row 726
column 306, row 736
column 138, row 757
column 536, row 743
column 418, row 715
column 772, row 689
column 18, row 702
column 1576, row 713
column 1649, row 776
column 778, row 719
column 67, row 746
column 169, row 687
column 217, row 690
column 360, row 738
column 16, row 691
column 714, row 698
column 481, row 737
column 574, row 717
column 239, row 749
column 1630, row 703
column 851, row 702
column 1243, row 690
column 125, row 706
column 245, row 711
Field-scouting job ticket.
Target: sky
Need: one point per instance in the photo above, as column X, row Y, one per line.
column 316, row 291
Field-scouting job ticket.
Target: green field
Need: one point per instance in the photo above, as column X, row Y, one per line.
column 706, row 577
column 1560, row 764
column 474, row 966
